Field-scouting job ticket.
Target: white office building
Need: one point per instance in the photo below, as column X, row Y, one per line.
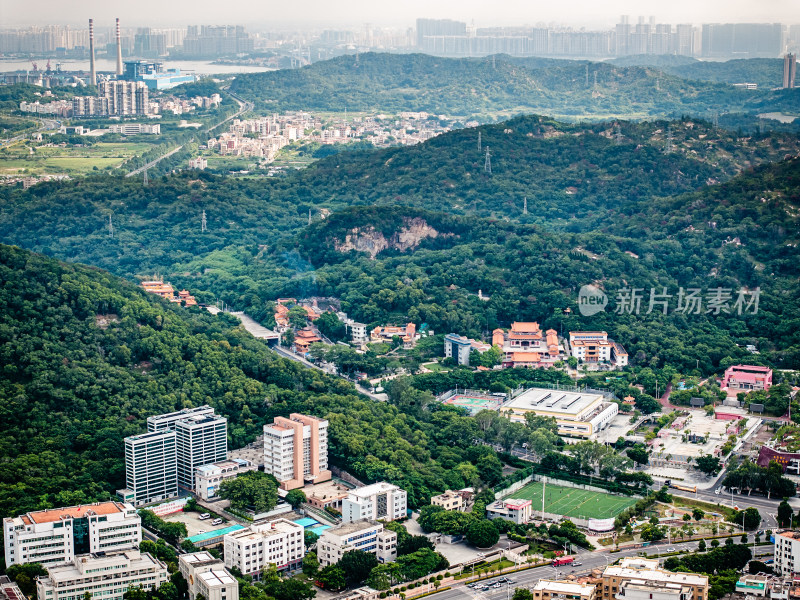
column 379, row 501
column 280, row 542
column 296, row 450
column 365, row 535
column 208, row 576
column 207, row 478
column 151, row 467
column 57, row 535
column 201, row 440
column 104, row 577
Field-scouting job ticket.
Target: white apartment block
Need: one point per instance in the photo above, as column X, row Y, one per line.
column 280, row 542
column 201, row 440
column 786, row 553
column 296, row 450
column 635, row 589
column 57, row 535
column 151, row 467
column 208, row 576
column 104, row 577
column 207, row 478
column 382, row 501
column 365, row 535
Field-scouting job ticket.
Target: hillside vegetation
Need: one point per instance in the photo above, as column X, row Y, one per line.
column 87, row 357
column 490, row 87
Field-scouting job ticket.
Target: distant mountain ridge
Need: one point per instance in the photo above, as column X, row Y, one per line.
column 495, row 87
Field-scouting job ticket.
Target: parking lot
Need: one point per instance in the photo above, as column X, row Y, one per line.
column 194, row 525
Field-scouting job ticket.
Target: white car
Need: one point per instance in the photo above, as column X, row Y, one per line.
column 204, row 516
column 718, row 491
column 217, row 522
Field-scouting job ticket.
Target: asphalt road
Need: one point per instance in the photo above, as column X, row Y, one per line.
column 588, row 560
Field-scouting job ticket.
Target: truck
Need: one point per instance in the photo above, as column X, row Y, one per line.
column 683, row 488
column 564, row 560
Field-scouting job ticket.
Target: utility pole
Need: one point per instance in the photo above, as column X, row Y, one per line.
column 544, row 493
column 203, row 223
column 487, row 166
column 110, row 227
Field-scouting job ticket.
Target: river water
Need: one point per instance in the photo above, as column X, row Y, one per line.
column 196, row 67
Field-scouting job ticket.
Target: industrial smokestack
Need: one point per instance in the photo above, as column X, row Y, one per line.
column 92, row 70
column 119, row 50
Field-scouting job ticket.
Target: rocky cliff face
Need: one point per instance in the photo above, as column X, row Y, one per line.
column 367, row 239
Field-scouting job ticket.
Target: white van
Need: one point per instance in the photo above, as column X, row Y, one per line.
column 204, row 516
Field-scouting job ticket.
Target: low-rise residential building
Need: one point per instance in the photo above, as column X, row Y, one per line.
column 280, row 542
column 381, row 500
column 786, row 553
column 449, row 500
column 57, row 535
column 136, row 128
column 209, row 477
column 753, row 585
column 550, row 589
column 593, row 347
column 517, row 510
column 102, row 576
column 207, row 576
column 367, row 535
column 747, row 378
column 644, row 571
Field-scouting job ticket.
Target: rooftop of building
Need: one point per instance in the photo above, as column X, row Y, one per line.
column 199, row 558
column 202, row 537
column 371, row 490
column 217, row 578
column 276, row 527
column 352, row 527
column 597, row 333
column 554, row 401
column 205, row 409
column 646, row 585
column 70, row 571
column 564, row 587
column 233, row 463
column 650, row 574
column 51, row 515
column 149, row 435
column 749, row 368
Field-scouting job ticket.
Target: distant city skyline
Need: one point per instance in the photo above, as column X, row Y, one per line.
column 316, row 14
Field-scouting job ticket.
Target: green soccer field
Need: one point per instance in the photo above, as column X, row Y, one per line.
column 573, row 502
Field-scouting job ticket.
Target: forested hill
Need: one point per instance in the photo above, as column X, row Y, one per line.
column 87, row 357
column 492, row 87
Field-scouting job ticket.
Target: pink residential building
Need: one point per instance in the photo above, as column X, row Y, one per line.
column 747, row 378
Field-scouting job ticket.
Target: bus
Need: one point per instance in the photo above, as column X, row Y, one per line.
column 683, row 488
column 564, row 560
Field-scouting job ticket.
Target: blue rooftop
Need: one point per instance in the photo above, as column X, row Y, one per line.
column 307, row 522
column 202, row 537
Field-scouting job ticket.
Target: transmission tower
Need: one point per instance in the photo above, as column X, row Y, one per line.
column 595, row 80
column 110, row 227
column 618, row 135
column 479, row 141
column 309, row 216
column 668, row 145
column 494, row 63
column 145, row 181
column 587, row 75
column 715, row 120
column 658, row 84
column 525, row 205
column 203, row 223
column 487, row 166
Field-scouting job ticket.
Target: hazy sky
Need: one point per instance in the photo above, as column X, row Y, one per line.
column 257, row 14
